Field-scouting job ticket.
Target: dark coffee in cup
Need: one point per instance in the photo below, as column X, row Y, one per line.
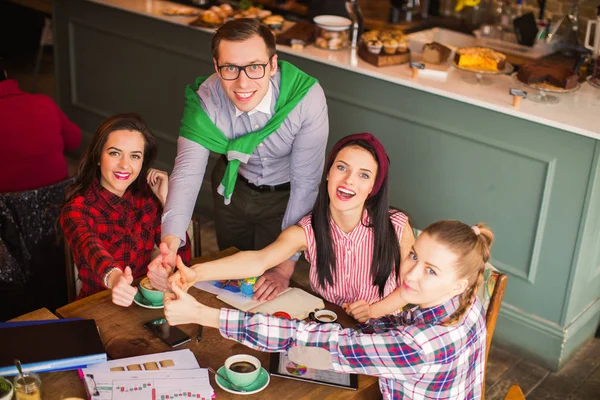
column 325, row 317
column 243, row 367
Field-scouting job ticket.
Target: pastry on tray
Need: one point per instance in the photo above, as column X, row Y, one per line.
column 480, row 59
column 549, row 75
column 275, row 22
column 394, row 41
column 436, row 53
column 252, row 12
column 210, row 17
column 226, row 9
column 181, row 12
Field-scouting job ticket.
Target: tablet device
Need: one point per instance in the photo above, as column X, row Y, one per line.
column 281, row 365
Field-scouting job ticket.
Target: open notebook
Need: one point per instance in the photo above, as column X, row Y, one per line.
column 294, row 301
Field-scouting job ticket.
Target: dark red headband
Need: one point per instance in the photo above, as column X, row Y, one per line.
column 381, row 155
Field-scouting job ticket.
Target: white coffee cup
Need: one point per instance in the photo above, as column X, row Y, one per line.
column 323, row 316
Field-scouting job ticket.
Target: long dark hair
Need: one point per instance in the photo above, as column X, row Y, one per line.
column 88, row 167
column 386, row 248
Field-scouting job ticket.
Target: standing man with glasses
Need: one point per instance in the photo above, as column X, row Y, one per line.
column 269, row 121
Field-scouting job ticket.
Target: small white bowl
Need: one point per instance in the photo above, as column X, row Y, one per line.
column 9, row 395
column 332, row 22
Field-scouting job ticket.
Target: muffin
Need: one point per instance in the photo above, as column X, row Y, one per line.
column 402, row 45
column 390, row 46
column 374, row 46
column 370, row 36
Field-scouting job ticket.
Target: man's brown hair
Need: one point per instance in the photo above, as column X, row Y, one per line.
column 239, row 30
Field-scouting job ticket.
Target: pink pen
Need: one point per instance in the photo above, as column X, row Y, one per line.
column 82, row 378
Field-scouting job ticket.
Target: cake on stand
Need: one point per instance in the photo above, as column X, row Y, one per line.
column 482, row 77
column 543, row 89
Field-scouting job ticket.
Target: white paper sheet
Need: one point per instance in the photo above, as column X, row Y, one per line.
column 177, row 360
column 122, row 386
column 168, row 372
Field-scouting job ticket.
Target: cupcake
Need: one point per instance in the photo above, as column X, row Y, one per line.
column 374, row 46
column 370, row 36
column 402, row 45
column 390, row 46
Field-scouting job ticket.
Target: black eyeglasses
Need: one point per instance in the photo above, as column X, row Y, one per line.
column 232, row 72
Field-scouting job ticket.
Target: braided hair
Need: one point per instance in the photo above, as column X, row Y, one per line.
column 472, row 248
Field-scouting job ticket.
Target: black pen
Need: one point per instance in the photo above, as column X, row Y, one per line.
column 199, row 335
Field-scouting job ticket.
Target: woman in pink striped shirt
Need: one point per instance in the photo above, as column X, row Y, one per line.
column 353, row 240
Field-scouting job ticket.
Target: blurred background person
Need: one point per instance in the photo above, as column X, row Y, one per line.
column 35, row 134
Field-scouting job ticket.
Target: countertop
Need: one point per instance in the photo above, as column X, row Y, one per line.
column 576, row 112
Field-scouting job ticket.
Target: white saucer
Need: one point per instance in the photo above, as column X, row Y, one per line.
column 140, row 301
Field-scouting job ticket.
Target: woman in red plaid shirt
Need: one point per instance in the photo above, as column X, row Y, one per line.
column 436, row 350
column 111, row 216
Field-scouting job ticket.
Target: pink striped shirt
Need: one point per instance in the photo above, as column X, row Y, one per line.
column 354, row 254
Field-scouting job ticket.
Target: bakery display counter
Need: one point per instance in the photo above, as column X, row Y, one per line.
column 458, row 150
column 574, row 114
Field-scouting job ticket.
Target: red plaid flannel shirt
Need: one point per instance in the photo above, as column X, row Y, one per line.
column 106, row 231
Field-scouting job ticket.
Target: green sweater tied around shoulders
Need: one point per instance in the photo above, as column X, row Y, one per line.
column 197, row 126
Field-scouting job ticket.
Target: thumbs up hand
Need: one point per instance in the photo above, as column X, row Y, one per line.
column 184, row 277
column 182, row 308
column 120, row 284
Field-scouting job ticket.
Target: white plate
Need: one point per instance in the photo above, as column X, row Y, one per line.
column 139, row 300
column 332, row 22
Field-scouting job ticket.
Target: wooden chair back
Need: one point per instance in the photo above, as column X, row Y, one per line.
column 514, row 393
column 495, row 284
column 70, row 272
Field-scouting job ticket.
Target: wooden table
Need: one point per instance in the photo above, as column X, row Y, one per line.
column 123, row 335
column 55, row 385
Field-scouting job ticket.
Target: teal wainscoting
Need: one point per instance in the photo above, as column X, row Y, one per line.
column 534, row 185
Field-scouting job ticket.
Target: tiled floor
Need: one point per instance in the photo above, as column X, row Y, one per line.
column 578, row 379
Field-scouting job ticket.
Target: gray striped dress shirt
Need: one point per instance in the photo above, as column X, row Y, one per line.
column 294, row 153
